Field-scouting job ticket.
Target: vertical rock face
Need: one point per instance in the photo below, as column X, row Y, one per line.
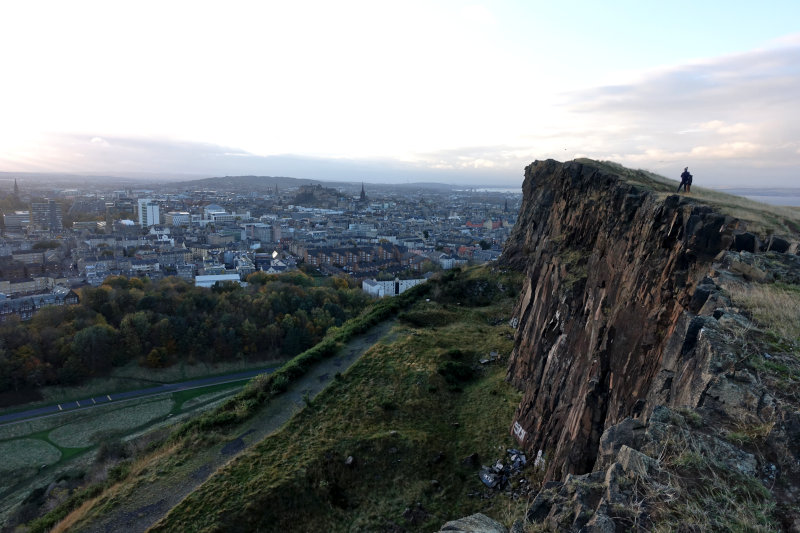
column 610, row 266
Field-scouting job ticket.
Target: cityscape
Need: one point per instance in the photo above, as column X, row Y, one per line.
column 58, row 239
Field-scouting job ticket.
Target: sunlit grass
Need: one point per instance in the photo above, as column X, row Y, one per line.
column 759, row 218
column 775, row 307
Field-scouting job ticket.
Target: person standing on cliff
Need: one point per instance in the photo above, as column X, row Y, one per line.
column 686, row 181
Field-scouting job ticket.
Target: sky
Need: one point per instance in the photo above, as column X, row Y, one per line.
column 450, row 91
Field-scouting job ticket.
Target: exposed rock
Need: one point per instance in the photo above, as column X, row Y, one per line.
column 778, row 244
column 476, row 523
column 610, row 268
column 643, row 385
column 746, row 242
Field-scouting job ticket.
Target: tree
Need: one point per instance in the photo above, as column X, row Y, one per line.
column 157, row 358
column 95, row 346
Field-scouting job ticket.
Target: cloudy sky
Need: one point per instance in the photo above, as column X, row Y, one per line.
column 452, row 91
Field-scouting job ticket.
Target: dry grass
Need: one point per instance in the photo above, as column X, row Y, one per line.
column 700, row 492
column 775, row 308
column 71, row 519
column 138, row 468
column 760, row 218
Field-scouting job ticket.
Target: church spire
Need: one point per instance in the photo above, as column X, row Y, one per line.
column 16, row 188
column 363, row 194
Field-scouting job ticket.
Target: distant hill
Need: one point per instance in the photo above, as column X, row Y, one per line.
column 266, row 183
column 251, row 183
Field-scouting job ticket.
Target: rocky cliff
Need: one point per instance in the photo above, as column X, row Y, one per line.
column 625, row 331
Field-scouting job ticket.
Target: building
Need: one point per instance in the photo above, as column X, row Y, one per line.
column 148, row 212
column 210, row 280
column 26, row 306
column 389, row 288
column 211, row 209
column 185, row 271
column 258, row 232
column 177, row 218
column 17, row 219
column 46, row 215
column 229, row 217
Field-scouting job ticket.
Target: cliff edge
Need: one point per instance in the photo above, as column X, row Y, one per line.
column 635, row 351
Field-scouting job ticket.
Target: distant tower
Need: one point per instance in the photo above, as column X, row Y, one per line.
column 276, row 189
column 363, row 194
column 148, row 213
column 16, row 188
column 505, row 209
column 46, row 215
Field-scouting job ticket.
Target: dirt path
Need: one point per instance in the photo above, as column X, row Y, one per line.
column 142, row 509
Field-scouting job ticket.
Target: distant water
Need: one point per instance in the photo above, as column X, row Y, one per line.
column 774, row 200
column 767, row 195
column 508, row 190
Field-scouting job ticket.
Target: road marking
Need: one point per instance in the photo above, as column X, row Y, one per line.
column 79, row 403
column 59, row 407
column 93, row 402
column 109, row 397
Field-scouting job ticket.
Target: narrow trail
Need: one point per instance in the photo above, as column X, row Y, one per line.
column 149, row 503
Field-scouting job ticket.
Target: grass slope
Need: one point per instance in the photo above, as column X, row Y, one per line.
column 198, row 439
column 405, row 418
column 761, row 219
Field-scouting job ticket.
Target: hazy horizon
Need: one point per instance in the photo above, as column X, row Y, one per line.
column 424, row 91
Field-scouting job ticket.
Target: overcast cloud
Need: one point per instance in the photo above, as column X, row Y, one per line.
column 730, row 118
column 430, row 91
column 132, row 157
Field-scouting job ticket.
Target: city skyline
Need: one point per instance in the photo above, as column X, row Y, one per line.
column 444, row 91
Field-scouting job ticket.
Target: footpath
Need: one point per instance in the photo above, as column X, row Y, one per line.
column 138, row 511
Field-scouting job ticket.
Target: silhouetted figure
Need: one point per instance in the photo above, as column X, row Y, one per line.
column 686, row 181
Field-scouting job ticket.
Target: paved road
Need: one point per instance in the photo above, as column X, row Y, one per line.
column 151, row 391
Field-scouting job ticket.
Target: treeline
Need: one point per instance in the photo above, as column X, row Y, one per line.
column 158, row 324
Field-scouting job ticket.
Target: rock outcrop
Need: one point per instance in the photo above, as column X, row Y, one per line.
column 636, row 369
column 476, row 523
column 610, row 268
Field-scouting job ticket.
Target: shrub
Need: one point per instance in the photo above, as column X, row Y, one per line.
column 279, row 383
column 456, row 372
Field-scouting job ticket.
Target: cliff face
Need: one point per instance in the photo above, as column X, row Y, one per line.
column 610, row 266
column 658, row 351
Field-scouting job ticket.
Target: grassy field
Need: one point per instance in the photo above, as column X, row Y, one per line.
column 95, row 428
column 27, row 453
column 61, row 442
column 133, row 377
column 404, row 416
